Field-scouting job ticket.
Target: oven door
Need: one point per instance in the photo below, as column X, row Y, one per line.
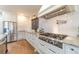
column 58, row 44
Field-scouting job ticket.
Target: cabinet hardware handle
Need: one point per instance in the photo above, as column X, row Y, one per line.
column 42, row 44
column 72, row 49
column 52, row 50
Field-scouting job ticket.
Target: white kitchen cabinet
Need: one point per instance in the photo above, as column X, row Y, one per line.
column 42, row 46
column 39, row 45
column 29, row 38
column 45, row 50
column 33, row 40
column 52, row 48
column 70, row 49
column 57, row 50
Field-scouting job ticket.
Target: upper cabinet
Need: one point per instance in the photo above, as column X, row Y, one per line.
column 54, row 10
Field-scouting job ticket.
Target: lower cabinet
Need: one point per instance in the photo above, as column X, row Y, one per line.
column 55, row 49
column 42, row 46
column 44, row 50
column 47, row 48
column 70, row 49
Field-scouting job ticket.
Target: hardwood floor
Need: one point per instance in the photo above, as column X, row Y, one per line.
column 20, row 47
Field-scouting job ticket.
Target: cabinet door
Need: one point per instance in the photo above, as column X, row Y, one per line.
column 47, row 49
column 69, row 49
column 44, row 49
column 57, row 50
column 52, row 48
column 28, row 36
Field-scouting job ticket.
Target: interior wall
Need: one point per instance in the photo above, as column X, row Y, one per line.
column 48, row 25
column 24, row 25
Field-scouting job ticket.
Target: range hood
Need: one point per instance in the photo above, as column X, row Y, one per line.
column 53, row 11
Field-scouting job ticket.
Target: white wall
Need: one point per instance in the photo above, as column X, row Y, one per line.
column 48, row 25
column 70, row 28
column 24, row 24
column 9, row 16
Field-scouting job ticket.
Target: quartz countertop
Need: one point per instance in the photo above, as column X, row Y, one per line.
column 72, row 41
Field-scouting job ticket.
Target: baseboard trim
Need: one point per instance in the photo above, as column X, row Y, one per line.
column 16, row 41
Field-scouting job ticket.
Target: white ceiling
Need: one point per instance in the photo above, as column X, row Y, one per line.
column 27, row 10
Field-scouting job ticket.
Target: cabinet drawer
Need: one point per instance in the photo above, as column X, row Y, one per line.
column 70, row 49
column 51, row 47
column 57, row 50
column 46, row 50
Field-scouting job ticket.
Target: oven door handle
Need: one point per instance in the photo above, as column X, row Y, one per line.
column 52, row 50
column 41, row 44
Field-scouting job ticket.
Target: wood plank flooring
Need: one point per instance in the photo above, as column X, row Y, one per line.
column 20, row 47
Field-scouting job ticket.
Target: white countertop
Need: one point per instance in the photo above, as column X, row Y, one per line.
column 72, row 41
column 68, row 40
